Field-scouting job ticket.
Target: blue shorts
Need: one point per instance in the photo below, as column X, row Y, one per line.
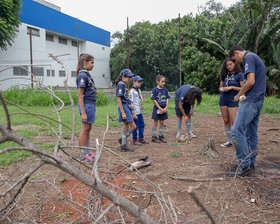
column 157, row 117
column 227, row 101
column 186, row 107
column 128, row 111
column 90, row 112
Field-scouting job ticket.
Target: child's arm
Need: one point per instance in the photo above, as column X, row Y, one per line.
column 119, row 100
column 81, row 103
column 166, row 107
column 158, row 106
column 186, row 117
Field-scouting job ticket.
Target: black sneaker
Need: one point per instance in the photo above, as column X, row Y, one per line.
column 235, row 166
column 137, row 143
column 162, row 139
column 125, row 148
column 120, row 140
column 155, row 139
column 143, row 141
column 242, row 172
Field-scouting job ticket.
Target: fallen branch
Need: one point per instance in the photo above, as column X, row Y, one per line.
column 197, row 180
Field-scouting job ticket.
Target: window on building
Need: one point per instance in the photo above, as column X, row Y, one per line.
column 62, row 40
column 34, row 31
column 49, row 72
column 74, row 43
column 103, row 48
column 20, row 71
column 103, row 75
column 73, row 73
column 49, row 37
column 38, row 71
column 62, row 73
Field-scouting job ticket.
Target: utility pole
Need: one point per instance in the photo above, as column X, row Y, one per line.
column 127, row 46
column 180, row 68
column 77, row 30
column 31, row 57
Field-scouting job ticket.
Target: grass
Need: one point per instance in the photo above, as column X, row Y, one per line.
column 46, row 117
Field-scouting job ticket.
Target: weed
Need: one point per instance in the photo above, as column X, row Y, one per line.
column 62, row 179
column 175, row 154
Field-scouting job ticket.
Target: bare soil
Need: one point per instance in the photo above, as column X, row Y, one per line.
column 253, row 199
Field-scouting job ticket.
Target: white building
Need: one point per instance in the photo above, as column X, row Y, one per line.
column 53, row 32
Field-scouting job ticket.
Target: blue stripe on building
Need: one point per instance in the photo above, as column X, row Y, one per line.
column 44, row 17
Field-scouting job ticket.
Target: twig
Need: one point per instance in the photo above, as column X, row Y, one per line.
column 197, row 180
column 5, row 109
column 200, row 204
column 104, row 213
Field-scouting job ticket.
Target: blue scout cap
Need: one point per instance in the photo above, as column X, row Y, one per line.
column 126, row 72
column 136, row 78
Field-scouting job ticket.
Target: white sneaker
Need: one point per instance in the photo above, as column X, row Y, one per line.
column 178, row 134
column 226, row 144
column 191, row 134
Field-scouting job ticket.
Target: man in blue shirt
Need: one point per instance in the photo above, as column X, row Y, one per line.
column 245, row 129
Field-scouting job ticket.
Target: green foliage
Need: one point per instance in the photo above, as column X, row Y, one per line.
column 35, row 97
column 9, row 21
column 205, row 40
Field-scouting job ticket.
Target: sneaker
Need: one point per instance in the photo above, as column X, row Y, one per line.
column 137, row 143
column 191, row 134
column 178, row 135
column 143, row 141
column 242, row 172
column 125, row 148
column 235, row 166
column 88, row 158
column 162, row 139
column 120, row 140
column 226, row 144
column 155, row 139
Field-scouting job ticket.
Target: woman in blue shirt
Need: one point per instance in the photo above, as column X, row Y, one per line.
column 231, row 81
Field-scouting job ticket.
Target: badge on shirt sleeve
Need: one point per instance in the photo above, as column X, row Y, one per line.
column 246, row 66
column 82, row 81
column 120, row 91
column 182, row 98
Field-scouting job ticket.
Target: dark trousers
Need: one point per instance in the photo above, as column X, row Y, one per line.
column 140, row 125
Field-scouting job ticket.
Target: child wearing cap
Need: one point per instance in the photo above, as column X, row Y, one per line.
column 125, row 108
column 160, row 97
column 137, row 100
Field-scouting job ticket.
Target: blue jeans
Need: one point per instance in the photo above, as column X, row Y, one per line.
column 140, row 125
column 244, row 132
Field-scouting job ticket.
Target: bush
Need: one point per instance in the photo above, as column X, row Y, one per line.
column 35, row 97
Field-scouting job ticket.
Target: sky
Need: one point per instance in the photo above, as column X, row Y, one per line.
column 111, row 15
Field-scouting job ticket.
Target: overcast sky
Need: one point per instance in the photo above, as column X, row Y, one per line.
column 111, row 15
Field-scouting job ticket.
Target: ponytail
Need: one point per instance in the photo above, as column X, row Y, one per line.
column 118, row 79
column 82, row 58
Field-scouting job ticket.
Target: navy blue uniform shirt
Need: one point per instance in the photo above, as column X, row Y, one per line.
column 182, row 93
column 232, row 80
column 84, row 81
column 122, row 91
column 160, row 95
column 252, row 63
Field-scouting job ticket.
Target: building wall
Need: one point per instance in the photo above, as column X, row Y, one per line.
column 19, row 54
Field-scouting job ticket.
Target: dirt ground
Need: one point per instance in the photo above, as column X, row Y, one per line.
column 253, row 199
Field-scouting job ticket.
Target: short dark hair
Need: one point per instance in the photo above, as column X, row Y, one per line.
column 235, row 48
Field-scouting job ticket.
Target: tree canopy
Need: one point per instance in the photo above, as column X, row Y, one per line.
column 205, row 42
column 9, row 21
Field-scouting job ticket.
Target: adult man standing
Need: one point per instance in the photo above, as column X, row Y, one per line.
column 245, row 129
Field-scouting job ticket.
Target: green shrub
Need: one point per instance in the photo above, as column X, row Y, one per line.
column 35, row 97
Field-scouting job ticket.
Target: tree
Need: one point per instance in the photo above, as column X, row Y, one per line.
column 9, row 21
